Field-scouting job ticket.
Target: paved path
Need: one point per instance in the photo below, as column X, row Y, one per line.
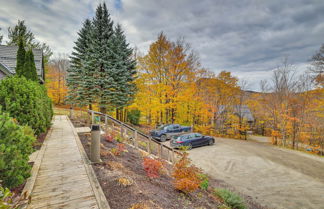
column 63, row 179
column 275, row 177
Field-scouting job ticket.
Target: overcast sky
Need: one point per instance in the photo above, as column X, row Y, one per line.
column 250, row 38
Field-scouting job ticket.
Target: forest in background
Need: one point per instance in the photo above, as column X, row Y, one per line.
column 173, row 87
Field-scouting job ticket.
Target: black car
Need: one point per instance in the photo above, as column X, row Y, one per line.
column 191, row 140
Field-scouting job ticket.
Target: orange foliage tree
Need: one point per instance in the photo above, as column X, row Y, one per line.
column 186, row 176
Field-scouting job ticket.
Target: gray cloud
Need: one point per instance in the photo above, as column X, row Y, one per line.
column 248, row 37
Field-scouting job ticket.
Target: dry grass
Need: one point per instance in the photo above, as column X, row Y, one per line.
column 141, row 205
column 115, row 165
column 125, row 182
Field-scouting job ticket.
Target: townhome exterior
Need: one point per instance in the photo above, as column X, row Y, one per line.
column 8, row 61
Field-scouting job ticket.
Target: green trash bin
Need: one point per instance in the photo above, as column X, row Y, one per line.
column 97, row 119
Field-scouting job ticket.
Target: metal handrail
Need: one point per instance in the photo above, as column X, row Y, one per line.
column 134, row 129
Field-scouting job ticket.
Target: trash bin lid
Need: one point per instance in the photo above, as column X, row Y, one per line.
column 95, row 127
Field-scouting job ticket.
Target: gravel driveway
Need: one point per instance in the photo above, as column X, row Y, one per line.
column 274, row 177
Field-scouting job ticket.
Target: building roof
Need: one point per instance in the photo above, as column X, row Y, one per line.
column 8, row 56
column 5, row 69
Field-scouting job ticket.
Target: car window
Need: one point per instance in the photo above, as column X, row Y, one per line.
column 176, row 127
column 197, row 135
column 181, row 138
column 162, row 127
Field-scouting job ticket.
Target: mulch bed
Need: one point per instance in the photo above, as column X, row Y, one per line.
column 145, row 192
column 153, row 193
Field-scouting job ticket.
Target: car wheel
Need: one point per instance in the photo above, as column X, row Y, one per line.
column 189, row 146
column 211, row 142
column 163, row 138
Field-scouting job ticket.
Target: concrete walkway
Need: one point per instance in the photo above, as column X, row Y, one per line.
column 64, row 178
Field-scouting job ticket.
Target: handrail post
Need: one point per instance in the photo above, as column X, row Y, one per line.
column 71, row 112
column 161, row 146
column 149, row 145
column 135, row 138
column 169, row 156
column 92, row 117
column 121, row 131
column 173, row 160
column 106, row 123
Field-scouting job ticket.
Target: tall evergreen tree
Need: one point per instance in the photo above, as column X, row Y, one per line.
column 20, row 58
column 29, row 68
column 98, row 79
column 78, row 95
column 103, row 68
column 21, row 32
column 124, row 67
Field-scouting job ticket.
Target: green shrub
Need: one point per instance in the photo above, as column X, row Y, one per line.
column 133, row 116
column 27, row 102
column 8, row 200
column 15, row 148
column 119, row 138
column 204, row 181
column 231, row 199
column 5, row 198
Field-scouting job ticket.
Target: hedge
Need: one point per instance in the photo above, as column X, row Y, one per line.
column 27, row 102
column 15, row 148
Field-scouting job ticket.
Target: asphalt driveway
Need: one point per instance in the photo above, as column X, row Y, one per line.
column 274, row 177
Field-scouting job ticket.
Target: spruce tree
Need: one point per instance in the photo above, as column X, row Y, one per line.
column 98, row 79
column 77, row 94
column 29, row 70
column 102, row 67
column 124, row 67
column 20, row 58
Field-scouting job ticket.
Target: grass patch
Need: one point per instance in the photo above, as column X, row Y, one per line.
column 230, row 199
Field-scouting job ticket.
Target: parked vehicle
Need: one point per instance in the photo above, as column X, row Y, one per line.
column 165, row 132
column 191, row 140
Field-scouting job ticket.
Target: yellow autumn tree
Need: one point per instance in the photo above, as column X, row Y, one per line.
column 55, row 79
column 166, row 82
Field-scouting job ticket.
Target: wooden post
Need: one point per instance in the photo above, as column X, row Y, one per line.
column 173, row 159
column 149, row 146
column 71, row 113
column 106, row 123
column 135, row 138
column 121, row 131
column 169, row 156
column 92, row 117
column 161, row 151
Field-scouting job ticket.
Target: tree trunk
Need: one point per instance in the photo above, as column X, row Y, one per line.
column 103, row 110
column 117, row 113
